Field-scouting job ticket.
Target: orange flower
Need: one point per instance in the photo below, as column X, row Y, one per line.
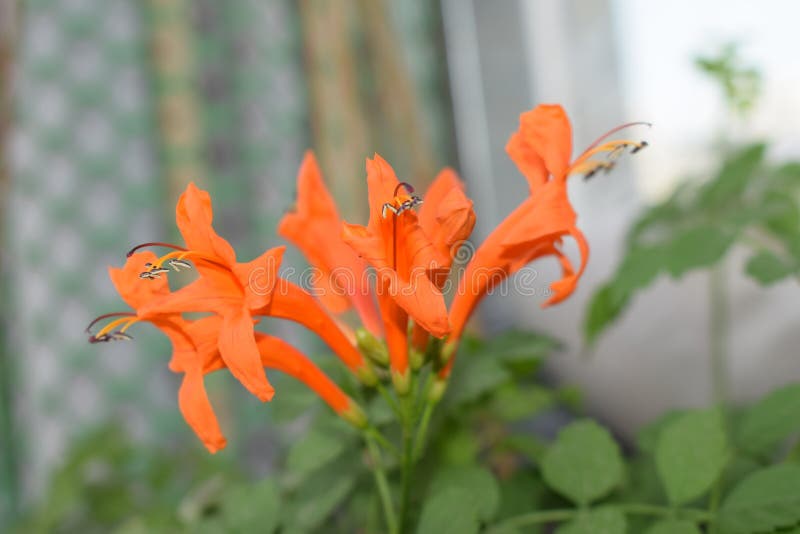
column 447, row 218
column 541, row 148
column 225, row 286
column 237, row 292
column 196, row 352
column 315, row 228
column 394, row 243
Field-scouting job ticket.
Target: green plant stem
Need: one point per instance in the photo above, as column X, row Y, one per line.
column 552, row 516
column 381, row 482
column 422, row 432
column 381, row 440
column 389, row 399
column 407, row 460
column 718, row 296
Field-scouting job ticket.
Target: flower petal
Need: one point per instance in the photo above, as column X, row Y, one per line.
column 237, row 346
column 198, row 412
column 544, row 131
column 194, row 216
column 135, row 291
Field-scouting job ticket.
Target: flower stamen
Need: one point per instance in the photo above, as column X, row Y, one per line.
column 107, row 333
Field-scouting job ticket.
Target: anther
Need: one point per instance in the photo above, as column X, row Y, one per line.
column 640, row 146
column 178, row 264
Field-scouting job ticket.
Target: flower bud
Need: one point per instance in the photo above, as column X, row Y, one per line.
column 371, row 347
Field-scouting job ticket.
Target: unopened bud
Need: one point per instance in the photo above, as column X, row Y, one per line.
column 372, row 347
column 401, row 381
column 447, row 352
column 416, row 358
column 354, row 415
column 436, row 390
column 367, row 375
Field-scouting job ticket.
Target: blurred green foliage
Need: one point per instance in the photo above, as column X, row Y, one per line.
column 749, row 202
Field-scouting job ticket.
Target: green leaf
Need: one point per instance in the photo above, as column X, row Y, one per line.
column 767, row 268
column 691, row 454
column 584, row 463
column 605, row 306
column 474, row 376
column 515, row 402
column 674, row 526
column 766, row 500
column 312, row 452
column 770, row 421
column 445, row 513
column 697, row 247
column 321, row 494
column 252, row 507
column 520, row 494
column 734, row 177
column 458, row 446
column 521, row 352
column 605, row 520
column 647, row 436
column 529, row 446
column 479, row 490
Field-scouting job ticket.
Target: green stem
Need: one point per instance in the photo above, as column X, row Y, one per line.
column 407, row 461
column 552, row 516
column 422, row 432
column 381, row 440
column 718, row 296
column 381, row 483
column 533, row 518
column 389, row 399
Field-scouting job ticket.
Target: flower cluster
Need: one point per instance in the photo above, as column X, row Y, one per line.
column 408, row 246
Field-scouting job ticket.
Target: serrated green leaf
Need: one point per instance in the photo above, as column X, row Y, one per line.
column 605, row 520
column 674, row 526
column 766, row 500
column 770, row 421
column 696, row 248
column 584, row 463
column 445, row 513
column 480, row 492
column 691, row 454
column 312, row 452
column 767, row 268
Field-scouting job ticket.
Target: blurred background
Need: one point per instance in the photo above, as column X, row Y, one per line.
column 108, row 108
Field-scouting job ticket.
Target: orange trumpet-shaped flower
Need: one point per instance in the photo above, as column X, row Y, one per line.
column 196, row 351
column 315, row 228
column 239, row 291
column 447, row 218
column 541, row 148
column 394, row 243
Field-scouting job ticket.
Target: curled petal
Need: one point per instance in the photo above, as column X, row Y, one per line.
column 194, row 216
column 198, row 412
column 237, row 346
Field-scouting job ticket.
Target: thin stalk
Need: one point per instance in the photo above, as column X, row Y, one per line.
column 422, row 432
column 381, row 483
column 381, row 440
column 389, row 399
column 407, row 460
column 718, row 321
column 552, row 516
